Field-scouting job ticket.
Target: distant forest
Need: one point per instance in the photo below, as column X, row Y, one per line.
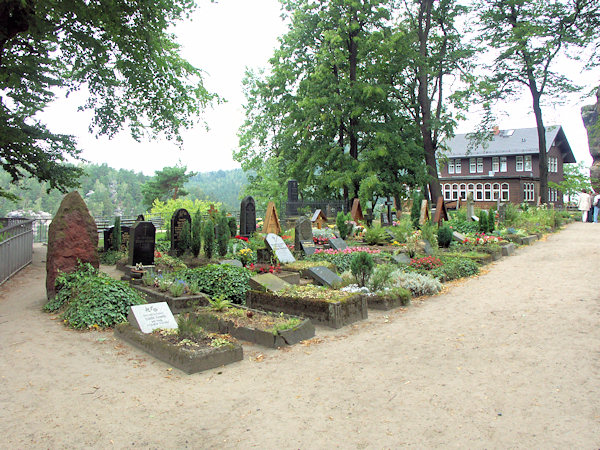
column 109, row 192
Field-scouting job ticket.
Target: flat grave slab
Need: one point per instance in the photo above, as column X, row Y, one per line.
column 308, row 247
column 232, row 262
column 267, row 282
column 151, row 316
column 323, row 276
column 402, row 258
column 337, row 244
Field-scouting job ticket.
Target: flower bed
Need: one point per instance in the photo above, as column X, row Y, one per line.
column 190, row 359
column 267, row 329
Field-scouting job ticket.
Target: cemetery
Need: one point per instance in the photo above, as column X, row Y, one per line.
column 218, row 283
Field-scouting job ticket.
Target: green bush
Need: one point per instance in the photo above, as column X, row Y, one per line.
column 117, row 235
column 196, row 233
column 401, row 293
column 415, row 211
column 381, row 277
column 232, row 223
column 185, row 238
column 341, row 221
column 208, row 237
column 444, row 236
column 220, row 280
column 223, row 235
column 92, row 299
column 429, row 233
column 340, row 260
column 491, row 221
column 402, row 230
column 463, row 225
column 482, row 221
column 376, row 236
column 416, row 283
column 456, row 268
column 361, row 267
column 111, row 257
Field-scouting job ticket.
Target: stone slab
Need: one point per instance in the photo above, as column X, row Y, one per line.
column 278, row 247
column 402, row 258
column 151, row 316
column 458, row 236
column 267, row 282
column 337, row 244
column 323, row 276
column 508, row 249
column 232, row 262
column 308, row 247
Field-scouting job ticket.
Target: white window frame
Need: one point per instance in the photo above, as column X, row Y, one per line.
column 528, row 192
column 503, row 164
column 446, row 191
column 471, row 189
column 495, row 191
column 479, row 192
column 472, row 165
column 504, row 189
column 519, row 164
column 479, row 165
column 457, row 166
column 455, row 192
column 451, row 166
column 487, row 192
column 495, row 164
column 553, row 164
column 527, row 163
column 463, row 191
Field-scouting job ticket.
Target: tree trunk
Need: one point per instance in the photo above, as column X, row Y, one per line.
column 541, row 130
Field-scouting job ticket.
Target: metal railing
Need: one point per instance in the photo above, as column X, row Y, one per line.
column 16, row 246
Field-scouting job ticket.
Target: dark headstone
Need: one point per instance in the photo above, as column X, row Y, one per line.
column 308, row 247
column 109, row 238
column 72, row 238
column 140, row 218
column 369, row 217
column 337, row 244
column 278, row 247
column 302, row 231
column 324, row 276
column 179, row 218
column 384, row 219
column 292, row 198
column 263, row 256
column 247, row 217
column 141, row 244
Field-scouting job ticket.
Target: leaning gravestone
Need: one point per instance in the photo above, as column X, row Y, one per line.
column 267, row 282
column 179, row 218
column 427, row 248
column 141, row 244
column 458, row 236
column 278, row 247
column 324, row 276
column 337, row 244
column 152, row 316
column 308, row 247
column 247, row 217
column 72, row 238
column 302, row 231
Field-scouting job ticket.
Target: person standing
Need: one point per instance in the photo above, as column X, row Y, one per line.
column 596, row 203
column 584, row 204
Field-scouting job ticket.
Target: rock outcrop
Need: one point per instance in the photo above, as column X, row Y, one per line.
column 590, row 114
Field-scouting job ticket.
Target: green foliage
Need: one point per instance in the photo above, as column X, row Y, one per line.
column 219, row 303
column 455, row 268
column 483, row 222
column 208, row 237
column 92, row 299
column 361, row 267
column 416, row 283
column 491, row 221
column 220, row 280
column 111, row 257
column 340, row 260
column 232, row 223
column 169, row 263
column 341, row 222
column 223, row 234
column 429, row 233
column 404, row 295
column 224, row 186
column 444, row 236
column 463, row 226
column 415, row 210
column 177, row 288
column 196, row 233
column 288, row 324
column 381, row 277
column 402, row 230
column 188, row 326
column 185, row 238
column 166, row 209
column 166, row 184
column 376, row 236
column 117, row 235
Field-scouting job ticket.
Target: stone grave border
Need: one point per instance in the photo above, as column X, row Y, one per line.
column 176, row 304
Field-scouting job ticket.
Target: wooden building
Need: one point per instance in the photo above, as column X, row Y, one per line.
column 506, row 168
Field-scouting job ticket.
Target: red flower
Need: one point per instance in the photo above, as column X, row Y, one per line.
column 242, row 238
column 157, row 254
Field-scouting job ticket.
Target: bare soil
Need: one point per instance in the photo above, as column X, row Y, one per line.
column 508, row 359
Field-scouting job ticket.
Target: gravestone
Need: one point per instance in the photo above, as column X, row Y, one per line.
column 424, row 216
column 308, row 247
column 501, row 212
column 384, row 219
column 470, row 206
column 356, row 212
column 109, row 238
column 140, row 218
column 388, row 204
column 402, row 258
column 141, row 244
column 72, row 238
column 152, row 316
column 271, row 222
column 292, row 198
column 302, row 231
column 232, row 262
column 440, row 212
column 319, row 219
column 337, row 243
column 278, row 247
column 179, row 218
column 369, row 217
column 428, row 249
column 458, row 236
column 247, row 217
column 324, row 276
column 267, row 282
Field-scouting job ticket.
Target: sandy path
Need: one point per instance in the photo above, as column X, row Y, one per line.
column 507, row 359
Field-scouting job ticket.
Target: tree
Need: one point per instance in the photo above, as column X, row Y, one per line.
column 166, row 184
column 531, row 37
column 119, row 52
column 575, row 180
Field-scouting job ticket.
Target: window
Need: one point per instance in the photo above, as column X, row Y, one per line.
column 479, row 192
column 487, row 191
column 496, row 164
column 503, row 164
column 454, row 191
column 527, row 162
column 479, row 165
column 451, row 166
column 504, row 192
column 463, row 191
column 519, row 164
column 528, row 192
column 495, row 191
column 471, row 190
column 457, row 167
column 472, row 165
column 553, row 164
column 446, row 191
column 552, row 195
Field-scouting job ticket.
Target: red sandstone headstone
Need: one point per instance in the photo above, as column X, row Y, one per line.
column 72, row 237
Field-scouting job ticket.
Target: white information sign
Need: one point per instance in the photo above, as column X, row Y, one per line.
column 152, row 316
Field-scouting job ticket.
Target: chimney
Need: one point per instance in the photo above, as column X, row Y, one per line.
column 496, row 130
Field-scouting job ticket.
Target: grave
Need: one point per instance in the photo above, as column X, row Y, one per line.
column 356, row 212
column 369, row 217
column 428, row 249
column 323, row 276
column 458, row 236
column 278, row 247
column 308, row 247
column 302, row 231
column 501, row 212
column 179, row 218
column 440, row 212
column 267, row 282
column 470, row 205
column 151, row 316
column 247, row 217
column 271, row 222
column 141, row 244
column 292, row 198
column 109, row 238
column 424, row 216
column 319, row 219
column 402, row 258
column 337, row 244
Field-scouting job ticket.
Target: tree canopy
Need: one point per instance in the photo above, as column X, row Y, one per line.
column 166, row 184
column 119, row 52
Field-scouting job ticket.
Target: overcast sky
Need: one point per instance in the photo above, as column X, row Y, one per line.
column 223, row 39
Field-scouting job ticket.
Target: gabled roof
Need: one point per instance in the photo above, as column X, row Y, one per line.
column 520, row 141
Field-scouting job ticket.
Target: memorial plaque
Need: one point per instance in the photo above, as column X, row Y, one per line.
column 109, row 238
column 247, row 217
column 179, row 218
column 267, row 282
column 151, row 317
column 271, row 222
column 278, row 247
column 308, row 247
column 141, row 244
column 302, row 231
column 324, row 276
column 337, row 244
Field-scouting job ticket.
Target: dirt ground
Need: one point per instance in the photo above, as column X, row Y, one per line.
column 508, row 359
